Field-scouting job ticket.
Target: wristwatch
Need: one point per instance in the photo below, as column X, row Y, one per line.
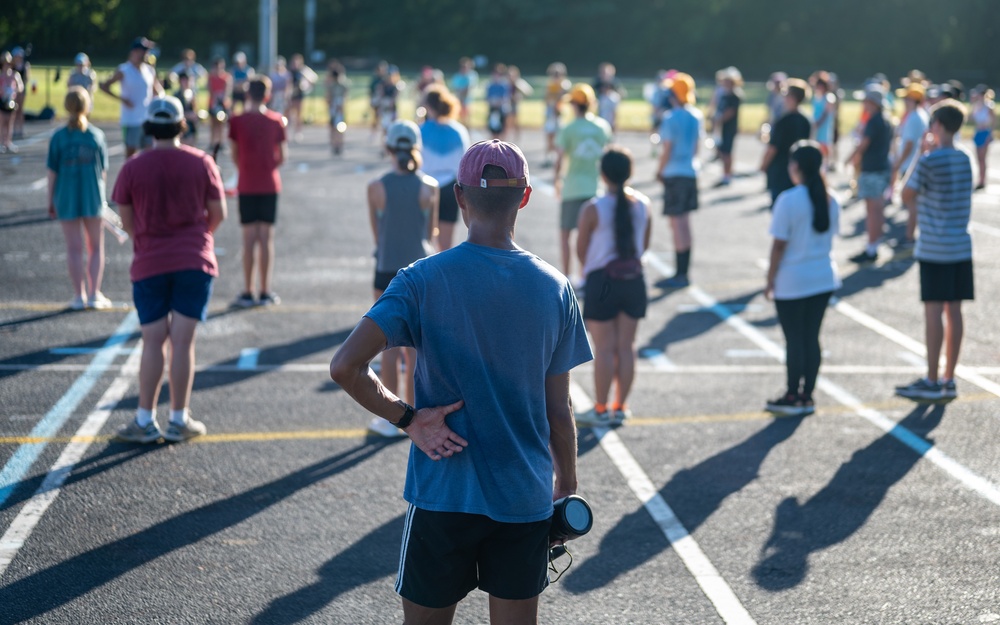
column 407, row 417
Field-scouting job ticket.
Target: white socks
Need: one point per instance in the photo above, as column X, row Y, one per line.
column 144, row 417
column 179, row 417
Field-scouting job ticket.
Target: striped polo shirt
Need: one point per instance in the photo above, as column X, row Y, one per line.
column 943, row 182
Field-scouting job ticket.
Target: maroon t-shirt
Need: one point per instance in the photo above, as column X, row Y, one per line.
column 259, row 137
column 168, row 190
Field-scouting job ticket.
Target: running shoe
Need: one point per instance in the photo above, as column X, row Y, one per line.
column 921, row 388
column 269, row 299
column 99, row 301
column 948, row 390
column 808, row 405
column 135, row 433
column 12, row 148
column 77, row 303
column 381, row 427
column 621, row 414
column 593, row 418
column 177, row 433
column 676, row 282
column 725, row 182
column 245, row 300
column 864, row 258
column 789, row 405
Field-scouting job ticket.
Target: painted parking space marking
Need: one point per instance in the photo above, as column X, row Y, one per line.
column 658, row 359
column 248, row 358
column 974, row 482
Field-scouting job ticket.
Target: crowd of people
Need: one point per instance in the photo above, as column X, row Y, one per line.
column 489, row 397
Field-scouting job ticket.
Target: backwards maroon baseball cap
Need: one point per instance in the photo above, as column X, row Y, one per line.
column 506, row 156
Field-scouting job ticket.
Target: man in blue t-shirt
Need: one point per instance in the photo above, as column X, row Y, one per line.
column 492, row 387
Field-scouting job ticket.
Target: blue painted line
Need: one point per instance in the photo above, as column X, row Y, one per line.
column 248, row 358
column 20, row 462
column 71, row 351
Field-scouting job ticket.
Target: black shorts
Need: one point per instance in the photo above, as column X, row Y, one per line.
column 448, row 207
column 239, row 95
column 256, row 208
column 725, row 145
column 680, row 195
column 946, row 282
column 604, row 298
column 445, row 555
column 382, row 279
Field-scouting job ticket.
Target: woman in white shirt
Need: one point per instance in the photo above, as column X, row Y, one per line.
column 802, row 274
column 613, row 232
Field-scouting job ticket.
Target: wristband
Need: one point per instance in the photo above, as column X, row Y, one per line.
column 407, row 417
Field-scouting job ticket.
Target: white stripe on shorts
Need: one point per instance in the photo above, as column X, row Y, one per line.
column 407, row 524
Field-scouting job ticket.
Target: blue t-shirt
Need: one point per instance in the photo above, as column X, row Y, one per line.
column 682, row 127
column 489, row 326
column 79, row 159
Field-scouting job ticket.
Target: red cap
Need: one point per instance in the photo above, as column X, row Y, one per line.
column 506, row 156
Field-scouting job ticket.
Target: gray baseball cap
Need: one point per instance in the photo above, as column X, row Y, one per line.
column 165, row 110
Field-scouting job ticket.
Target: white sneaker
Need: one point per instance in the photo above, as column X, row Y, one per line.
column 381, row 427
column 77, row 303
column 592, row 418
column 99, row 301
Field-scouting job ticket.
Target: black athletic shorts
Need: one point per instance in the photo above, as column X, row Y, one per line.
column 604, row 298
column 445, row 555
column 448, row 206
column 680, row 195
column 946, row 282
column 725, row 145
column 382, row 279
column 256, row 208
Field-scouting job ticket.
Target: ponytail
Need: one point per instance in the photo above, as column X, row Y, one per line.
column 77, row 104
column 616, row 165
column 809, row 159
column 408, row 160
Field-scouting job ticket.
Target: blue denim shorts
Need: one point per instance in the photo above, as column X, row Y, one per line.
column 184, row 292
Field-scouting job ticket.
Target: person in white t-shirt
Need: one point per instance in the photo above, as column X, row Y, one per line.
column 138, row 86
column 912, row 128
column 802, row 274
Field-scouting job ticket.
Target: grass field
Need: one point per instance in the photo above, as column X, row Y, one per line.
column 633, row 113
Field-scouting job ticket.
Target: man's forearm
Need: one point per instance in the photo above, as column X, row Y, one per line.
column 562, row 443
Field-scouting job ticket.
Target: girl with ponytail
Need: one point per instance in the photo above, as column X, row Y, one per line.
column 802, row 274
column 77, row 171
column 403, row 211
column 613, row 233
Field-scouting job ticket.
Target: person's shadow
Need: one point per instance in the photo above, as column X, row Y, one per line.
column 843, row 506
column 694, row 494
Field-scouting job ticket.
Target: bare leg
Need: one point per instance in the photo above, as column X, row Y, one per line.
column 414, row 614
column 265, row 243
column 249, row 255
column 876, row 218
column 511, row 612
column 981, row 156
column 953, row 331
column 727, row 166
column 934, row 336
column 604, row 335
column 95, row 254
column 73, row 232
column 680, row 226
column 564, row 250
column 182, row 331
column 625, row 329
column 154, row 343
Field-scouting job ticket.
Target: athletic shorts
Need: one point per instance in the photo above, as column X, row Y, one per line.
column 982, row 137
column 946, row 282
column 239, row 95
column 680, row 195
column 872, row 184
column 569, row 213
column 725, row 145
column 445, row 555
column 185, row 292
column 604, row 298
column 135, row 137
column 382, row 279
column 258, row 208
column 448, row 206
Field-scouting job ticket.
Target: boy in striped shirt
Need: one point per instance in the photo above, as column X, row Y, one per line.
column 938, row 195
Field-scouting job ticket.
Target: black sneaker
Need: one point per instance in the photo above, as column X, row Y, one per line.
column 269, row 299
column 807, row 403
column 864, row 258
column 245, row 300
column 921, row 388
column 789, row 405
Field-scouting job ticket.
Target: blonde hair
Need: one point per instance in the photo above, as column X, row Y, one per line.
column 77, row 104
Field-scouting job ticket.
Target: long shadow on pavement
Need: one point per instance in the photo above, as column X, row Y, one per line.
column 58, row 585
column 843, row 507
column 370, row 559
column 694, row 494
column 874, row 277
column 688, row 325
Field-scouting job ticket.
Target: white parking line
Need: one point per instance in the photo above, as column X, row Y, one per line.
column 31, row 513
column 715, row 587
column 658, row 359
column 923, row 448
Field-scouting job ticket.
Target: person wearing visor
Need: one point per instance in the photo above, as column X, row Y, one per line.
column 138, row 87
